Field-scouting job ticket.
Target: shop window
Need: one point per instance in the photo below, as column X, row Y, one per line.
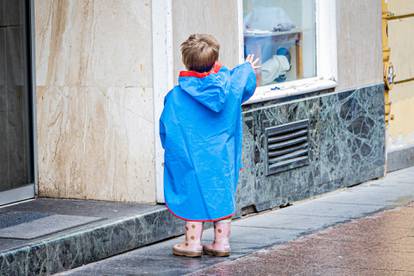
column 282, row 34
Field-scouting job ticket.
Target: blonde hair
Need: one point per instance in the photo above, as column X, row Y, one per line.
column 200, row 52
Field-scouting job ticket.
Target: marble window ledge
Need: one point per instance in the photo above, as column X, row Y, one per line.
column 289, row 89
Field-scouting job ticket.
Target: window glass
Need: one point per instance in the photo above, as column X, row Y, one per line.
column 16, row 158
column 281, row 33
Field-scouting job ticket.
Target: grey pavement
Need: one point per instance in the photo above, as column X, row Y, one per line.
column 260, row 231
column 378, row 245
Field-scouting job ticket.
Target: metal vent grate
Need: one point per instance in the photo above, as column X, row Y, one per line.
column 287, row 146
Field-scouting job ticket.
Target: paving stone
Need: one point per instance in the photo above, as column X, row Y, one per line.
column 164, row 249
column 364, row 232
column 383, row 195
column 263, row 236
column 329, row 209
column 402, row 245
column 289, row 221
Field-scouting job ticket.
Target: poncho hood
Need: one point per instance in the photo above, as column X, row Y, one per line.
column 209, row 88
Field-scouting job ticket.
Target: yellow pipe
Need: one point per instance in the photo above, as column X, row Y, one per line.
column 394, row 17
column 405, row 80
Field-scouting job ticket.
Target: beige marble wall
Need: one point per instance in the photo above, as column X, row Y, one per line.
column 359, row 43
column 95, row 99
column 216, row 17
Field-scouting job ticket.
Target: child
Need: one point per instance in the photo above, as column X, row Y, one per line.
column 201, row 132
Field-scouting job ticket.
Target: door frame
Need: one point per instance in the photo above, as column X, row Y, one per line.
column 30, row 190
column 163, row 79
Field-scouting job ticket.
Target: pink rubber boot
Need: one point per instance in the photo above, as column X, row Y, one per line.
column 191, row 247
column 221, row 246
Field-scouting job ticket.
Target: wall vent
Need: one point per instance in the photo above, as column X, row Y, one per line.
column 287, row 146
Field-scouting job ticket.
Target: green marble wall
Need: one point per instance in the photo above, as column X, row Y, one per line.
column 347, row 146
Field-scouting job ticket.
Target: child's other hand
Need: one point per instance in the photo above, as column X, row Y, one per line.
column 253, row 62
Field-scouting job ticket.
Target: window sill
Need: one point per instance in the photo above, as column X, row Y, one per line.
column 288, row 89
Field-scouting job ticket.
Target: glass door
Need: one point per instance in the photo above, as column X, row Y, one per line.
column 16, row 105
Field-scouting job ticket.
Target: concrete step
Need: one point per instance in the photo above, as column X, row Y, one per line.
column 45, row 236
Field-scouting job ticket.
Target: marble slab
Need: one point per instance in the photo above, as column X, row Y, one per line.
column 400, row 159
column 96, row 143
column 346, row 141
column 94, row 100
column 80, row 43
column 127, row 226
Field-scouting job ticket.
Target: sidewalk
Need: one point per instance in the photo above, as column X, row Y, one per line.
column 277, row 227
column 382, row 244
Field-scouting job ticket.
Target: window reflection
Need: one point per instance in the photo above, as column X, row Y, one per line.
column 15, row 120
column 281, row 33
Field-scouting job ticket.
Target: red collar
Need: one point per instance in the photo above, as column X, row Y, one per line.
column 213, row 70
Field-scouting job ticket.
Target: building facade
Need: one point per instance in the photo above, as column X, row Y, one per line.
column 399, row 25
column 95, row 74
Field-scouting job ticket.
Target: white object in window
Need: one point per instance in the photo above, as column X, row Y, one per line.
column 267, row 19
column 301, row 32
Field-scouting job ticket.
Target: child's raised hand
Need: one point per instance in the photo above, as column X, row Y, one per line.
column 253, row 62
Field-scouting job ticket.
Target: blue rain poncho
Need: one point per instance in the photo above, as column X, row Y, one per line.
column 201, row 132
